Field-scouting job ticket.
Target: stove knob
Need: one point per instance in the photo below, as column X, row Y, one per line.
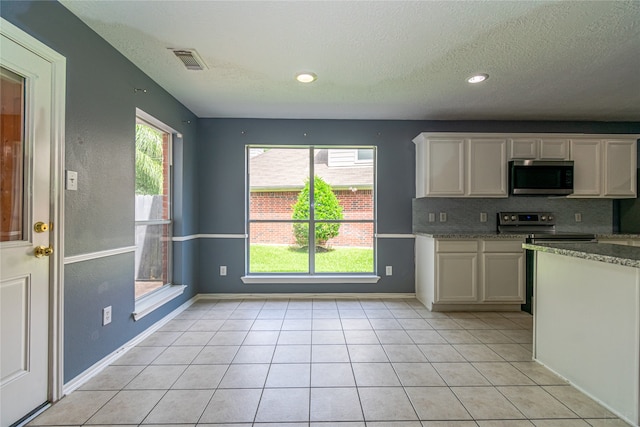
column 513, row 217
column 550, row 218
column 506, row 217
column 543, row 217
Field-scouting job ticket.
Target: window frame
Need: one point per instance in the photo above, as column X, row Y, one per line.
column 150, row 301
column 311, row 276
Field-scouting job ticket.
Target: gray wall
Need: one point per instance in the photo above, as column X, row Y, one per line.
column 221, row 170
column 100, row 129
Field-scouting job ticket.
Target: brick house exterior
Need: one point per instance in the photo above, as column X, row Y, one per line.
column 273, row 193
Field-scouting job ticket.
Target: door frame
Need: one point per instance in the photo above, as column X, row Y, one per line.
column 56, row 201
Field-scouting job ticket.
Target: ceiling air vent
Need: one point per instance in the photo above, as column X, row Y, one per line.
column 190, row 59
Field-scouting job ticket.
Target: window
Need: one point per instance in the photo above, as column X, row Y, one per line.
column 310, row 211
column 152, row 208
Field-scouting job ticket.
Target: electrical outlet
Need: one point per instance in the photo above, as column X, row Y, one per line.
column 389, row 270
column 443, row 217
column 223, row 270
column 578, row 217
column 106, row 315
column 483, row 217
column 432, row 217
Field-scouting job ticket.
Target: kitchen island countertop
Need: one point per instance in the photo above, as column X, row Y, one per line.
column 604, row 252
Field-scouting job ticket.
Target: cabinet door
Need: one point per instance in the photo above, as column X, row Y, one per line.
column 487, row 171
column 456, row 277
column 503, row 277
column 587, row 172
column 555, row 149
column 444, row 167
column 635, row 242
column 620, row 168
column 523, row 148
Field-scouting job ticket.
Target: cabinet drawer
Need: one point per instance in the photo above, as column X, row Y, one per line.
column 512, row 246
column 456, row 246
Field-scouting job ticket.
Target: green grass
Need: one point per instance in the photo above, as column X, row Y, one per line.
column 285, row 259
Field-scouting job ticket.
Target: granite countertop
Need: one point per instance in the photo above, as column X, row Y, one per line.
column 496, row 235
column 603, row 252
column 618, row 236
column 472, row 235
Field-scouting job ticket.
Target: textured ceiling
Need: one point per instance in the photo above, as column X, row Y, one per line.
column 547, row 60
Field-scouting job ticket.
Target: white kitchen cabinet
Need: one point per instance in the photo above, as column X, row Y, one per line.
column 503, row 270
column 461, row 167
column 475, row 164
column 523, row 148
column 539, row 149
column 604, row 168
column 620, row 168
column 486, row 171
column 587, row 168
column 445, row 162
column 554, row 149
column 478, row 274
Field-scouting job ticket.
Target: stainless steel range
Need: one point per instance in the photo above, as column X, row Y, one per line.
column 539, row 227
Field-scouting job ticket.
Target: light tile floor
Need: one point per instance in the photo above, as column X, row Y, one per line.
column 322, row 362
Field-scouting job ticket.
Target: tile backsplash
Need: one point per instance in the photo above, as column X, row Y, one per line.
column 463, row 214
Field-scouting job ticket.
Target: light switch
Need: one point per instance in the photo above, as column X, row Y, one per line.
column 72, row 180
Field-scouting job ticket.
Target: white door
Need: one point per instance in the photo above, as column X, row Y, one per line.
column 25, row 199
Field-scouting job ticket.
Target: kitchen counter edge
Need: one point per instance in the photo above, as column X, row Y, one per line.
column 628, row 256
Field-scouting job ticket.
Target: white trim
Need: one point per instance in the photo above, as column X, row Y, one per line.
column 100, row 254
column 58, row 100
column 275, row 279
column 351, row 295
column 395, row 236
column 510, row 135
column 209, row 236
column 147, row 304
column 96, row 368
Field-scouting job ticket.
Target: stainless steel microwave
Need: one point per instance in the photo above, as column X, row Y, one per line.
column 540, row 177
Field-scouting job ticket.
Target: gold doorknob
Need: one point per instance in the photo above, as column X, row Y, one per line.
column 41, row 251
column 40, row 227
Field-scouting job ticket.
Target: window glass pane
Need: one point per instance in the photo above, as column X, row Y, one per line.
column 274, row 247
column 338, row 173
column 351, row 251
column 365, row 154
column 277, row 179
column 152, row 173
column 152, row 253
column 11, row 156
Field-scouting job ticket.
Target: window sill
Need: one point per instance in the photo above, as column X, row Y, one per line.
column 147, row 304
column 304, row 278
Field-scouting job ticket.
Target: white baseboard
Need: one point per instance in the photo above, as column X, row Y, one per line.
column 96, row 368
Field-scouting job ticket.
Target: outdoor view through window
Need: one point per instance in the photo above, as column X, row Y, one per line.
column 339, row 185
column 153, row 209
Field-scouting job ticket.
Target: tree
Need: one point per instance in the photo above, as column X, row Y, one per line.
column 327, row 206
column 149, row 177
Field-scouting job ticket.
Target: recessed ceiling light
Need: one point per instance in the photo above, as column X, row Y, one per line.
column 478, row 78
column 306, row 77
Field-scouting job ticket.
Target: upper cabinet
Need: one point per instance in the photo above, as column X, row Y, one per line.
column 538, row 148
column 475, row 164
column 604, row 167
column 461, row 167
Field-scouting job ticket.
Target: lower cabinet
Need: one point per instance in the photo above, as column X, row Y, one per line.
column 480, row 274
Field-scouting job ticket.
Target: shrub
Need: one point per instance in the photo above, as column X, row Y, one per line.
column 327, row 206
